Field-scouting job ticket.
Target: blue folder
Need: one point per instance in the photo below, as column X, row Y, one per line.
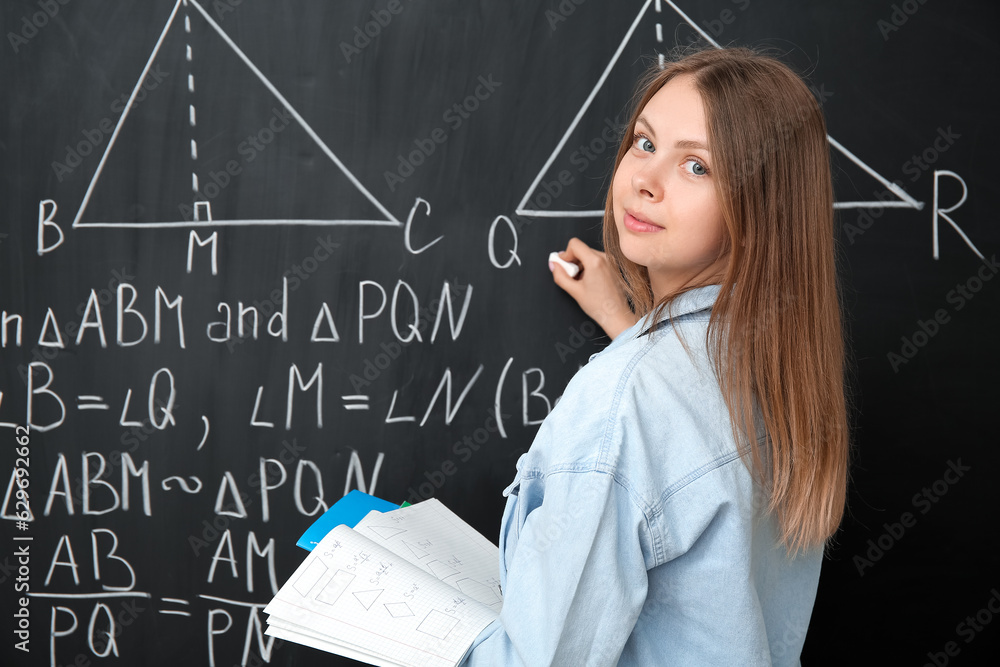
column 349, row 510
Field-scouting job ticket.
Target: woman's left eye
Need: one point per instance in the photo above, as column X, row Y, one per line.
column 644, row 144
column 696, row 168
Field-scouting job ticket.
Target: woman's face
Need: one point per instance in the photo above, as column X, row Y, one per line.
column 665, row 206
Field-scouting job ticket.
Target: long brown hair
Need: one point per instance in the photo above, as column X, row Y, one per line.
column 775, row 333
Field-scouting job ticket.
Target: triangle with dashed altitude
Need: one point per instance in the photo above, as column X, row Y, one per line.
column 207, row 139
column 573, row 181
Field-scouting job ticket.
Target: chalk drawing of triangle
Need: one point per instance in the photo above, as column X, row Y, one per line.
column 902, row 199
column 365, row 209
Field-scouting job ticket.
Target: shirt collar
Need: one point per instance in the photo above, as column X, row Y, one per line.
column 693, row 301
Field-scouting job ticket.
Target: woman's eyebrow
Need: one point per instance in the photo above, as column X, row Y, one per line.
column 682, row 143
column 642, row 119
column 691, row 143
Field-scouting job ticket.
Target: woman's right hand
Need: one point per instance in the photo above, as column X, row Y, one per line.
column 595, row 288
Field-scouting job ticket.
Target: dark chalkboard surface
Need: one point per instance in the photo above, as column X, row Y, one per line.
column 257, row 254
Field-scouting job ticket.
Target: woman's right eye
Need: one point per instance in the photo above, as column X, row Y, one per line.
column 643, row 143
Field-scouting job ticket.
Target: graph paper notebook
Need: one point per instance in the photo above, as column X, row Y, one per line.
column 412, row 587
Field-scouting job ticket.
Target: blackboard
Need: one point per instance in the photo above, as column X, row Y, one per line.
column 381, row 183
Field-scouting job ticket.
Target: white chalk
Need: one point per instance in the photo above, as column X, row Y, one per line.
column 571, row 268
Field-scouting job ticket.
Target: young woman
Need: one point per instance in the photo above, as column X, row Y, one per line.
column 674, row 506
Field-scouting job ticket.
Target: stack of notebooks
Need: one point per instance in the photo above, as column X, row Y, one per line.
column 409, row 587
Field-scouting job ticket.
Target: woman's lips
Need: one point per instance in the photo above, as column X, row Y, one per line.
column 634, row 224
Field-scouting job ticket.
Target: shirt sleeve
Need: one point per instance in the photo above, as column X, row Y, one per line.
column 576, row 576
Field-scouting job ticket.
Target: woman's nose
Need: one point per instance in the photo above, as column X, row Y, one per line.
column 647, row 183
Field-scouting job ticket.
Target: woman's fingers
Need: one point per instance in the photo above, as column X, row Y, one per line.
column 572, row 286
column 579, row 252
column 596, row 288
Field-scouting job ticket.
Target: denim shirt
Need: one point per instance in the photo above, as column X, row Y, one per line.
column 633, row 533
